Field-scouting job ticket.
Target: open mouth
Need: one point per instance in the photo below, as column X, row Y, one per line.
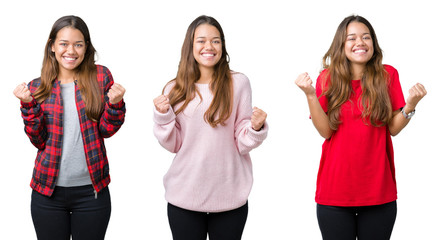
column 208, row 54
column 70, row 58
column 360, row 51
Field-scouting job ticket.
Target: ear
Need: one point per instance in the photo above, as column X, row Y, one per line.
column 52, row 45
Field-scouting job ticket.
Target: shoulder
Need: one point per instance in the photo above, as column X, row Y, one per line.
column 168, row 87
column 323, row 80
column 390, row 70
column 240, row 81
column 102, row 70
column 324, row 73
column 393, row 75
column 104, row 76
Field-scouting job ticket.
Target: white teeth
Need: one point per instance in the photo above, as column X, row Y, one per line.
column 208, row 54
column 69, row 58
column 360, row 51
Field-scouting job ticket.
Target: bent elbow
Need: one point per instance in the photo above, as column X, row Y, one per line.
column 326, row 134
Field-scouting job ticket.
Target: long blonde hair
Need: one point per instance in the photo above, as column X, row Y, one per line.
column 184, row 88
column 91, row 92
column 375, row 101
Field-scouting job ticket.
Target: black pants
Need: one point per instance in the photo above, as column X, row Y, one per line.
column 190, row 225
column 71, row 211
column 365, row 223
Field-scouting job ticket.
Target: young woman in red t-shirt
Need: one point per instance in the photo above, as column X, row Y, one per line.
column 357, row 104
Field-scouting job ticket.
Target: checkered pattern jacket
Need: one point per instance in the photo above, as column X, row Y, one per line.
column 44, row 127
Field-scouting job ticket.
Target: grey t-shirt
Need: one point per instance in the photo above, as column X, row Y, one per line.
column 73, row 169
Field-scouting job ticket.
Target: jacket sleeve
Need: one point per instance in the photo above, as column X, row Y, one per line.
column 246, row 138
column 34, row 124
column 114, row 114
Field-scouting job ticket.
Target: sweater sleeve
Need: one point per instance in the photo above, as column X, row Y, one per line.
column 246, row 138
column 166, row 129
column 114, row 114
column 34, row 125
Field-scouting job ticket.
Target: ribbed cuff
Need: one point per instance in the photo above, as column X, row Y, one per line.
column 258, row 135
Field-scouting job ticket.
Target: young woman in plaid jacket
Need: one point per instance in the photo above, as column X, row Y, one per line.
column 67, row 113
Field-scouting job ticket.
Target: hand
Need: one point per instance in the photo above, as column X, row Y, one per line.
column 416, row 93
column 22, row 92
column 258, row 118
column 162, row 104
column 116, row 93
column 304, row 82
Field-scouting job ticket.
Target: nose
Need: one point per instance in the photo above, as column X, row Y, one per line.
column 70, row 49
column 360, row 41
column 208, row 45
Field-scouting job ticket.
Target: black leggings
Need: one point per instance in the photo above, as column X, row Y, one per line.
column 365, row 223
column 71, row 211
column 191, row 225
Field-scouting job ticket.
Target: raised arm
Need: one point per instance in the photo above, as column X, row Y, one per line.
column 33, row 116
column 319, row 117
column 166, row 129
column 114, row 110
column 250, row 126
column 399, row 121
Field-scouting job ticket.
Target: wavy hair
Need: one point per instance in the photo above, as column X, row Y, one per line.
column 375, row 101
column 86, row 73
column 188, row 73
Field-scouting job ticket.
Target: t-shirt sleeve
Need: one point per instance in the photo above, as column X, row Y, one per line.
column 395, row 89
column 319, row 85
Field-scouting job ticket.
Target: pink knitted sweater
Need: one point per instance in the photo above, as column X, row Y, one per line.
column 212, row 169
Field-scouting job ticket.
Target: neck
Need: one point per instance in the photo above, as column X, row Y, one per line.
column 66, row 76
column 357, row 71
column 205, row 75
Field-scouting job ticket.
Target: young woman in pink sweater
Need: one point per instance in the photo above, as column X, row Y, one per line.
column 205, row 116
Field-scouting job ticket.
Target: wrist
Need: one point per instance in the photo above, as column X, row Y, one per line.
column 408, row 108
column 257, row 129
column 408, row 112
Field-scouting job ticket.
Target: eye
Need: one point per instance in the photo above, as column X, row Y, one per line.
column 63, row 44
column 216, row 41
column 200, row 41
column 78, row 45
column 367, row 38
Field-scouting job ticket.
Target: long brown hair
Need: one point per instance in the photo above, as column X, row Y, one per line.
column 184, row 88
column 91, row 92
column 376, row 103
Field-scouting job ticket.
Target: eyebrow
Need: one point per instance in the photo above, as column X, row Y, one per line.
column 351, row 34
column 206, row 37
column 68, row 41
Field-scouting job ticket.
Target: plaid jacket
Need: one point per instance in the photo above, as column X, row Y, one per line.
column 44, row 126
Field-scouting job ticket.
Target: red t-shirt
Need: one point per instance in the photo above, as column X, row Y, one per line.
column 357, row 162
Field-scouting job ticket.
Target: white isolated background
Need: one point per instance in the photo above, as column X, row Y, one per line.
column 271, row 42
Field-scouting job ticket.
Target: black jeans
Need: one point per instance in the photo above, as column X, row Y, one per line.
column 365, row 223
column 71, row 211
column 191, row 225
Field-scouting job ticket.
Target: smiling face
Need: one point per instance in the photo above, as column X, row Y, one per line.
column 69, row 48
column 207, row 46
column 359, row 47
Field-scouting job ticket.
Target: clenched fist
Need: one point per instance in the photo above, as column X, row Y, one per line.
column 305, row 83
column 22, row 92
column 162, row 104
column 258, row 118
column 116, row 93
column 416, row 93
